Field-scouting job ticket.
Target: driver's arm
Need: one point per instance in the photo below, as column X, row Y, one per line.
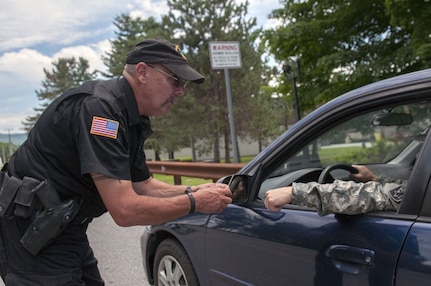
column 364, row 175
column 277, row 198
column 339, row 197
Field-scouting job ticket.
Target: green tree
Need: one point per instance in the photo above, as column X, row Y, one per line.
column 66, row 73
column 347, row 44
column 414, row 19
column 195, row 24
column 129, row 32
column 267, row 122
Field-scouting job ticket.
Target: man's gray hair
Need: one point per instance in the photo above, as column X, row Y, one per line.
column 130, row 69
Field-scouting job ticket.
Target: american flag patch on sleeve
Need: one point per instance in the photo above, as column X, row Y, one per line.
column 104, row 127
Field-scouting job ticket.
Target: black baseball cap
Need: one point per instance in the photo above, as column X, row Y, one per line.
column 158, row 51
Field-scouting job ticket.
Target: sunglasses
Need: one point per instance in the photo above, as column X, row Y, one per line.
column 177, row 81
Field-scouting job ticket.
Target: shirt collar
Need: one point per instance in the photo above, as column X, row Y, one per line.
column 131, row 105
column 132, row 108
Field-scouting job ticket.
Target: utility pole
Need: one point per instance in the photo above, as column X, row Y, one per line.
column 10, row 142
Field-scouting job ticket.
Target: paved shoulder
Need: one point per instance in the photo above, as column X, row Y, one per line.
column 118, row 251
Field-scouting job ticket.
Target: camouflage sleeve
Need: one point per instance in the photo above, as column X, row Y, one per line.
column 348, row 197
column 383, row 179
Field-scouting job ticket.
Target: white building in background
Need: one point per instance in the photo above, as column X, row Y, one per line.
column 245, row 149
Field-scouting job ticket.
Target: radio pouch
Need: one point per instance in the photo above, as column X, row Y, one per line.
column 8, row 191
column 25, row 202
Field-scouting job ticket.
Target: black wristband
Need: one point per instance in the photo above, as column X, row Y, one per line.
column 192, row 199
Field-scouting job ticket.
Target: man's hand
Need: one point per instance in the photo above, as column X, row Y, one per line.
column 212, row 197
column 364, row 174
column 207, row 186
column 275, row 199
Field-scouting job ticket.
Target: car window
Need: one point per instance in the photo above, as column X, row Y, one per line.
column 386, row 140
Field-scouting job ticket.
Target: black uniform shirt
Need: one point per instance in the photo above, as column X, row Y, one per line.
column 95, row 128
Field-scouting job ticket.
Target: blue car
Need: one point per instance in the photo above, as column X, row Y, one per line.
column 383, row 126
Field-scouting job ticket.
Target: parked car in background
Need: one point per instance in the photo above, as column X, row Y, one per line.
column 384, row 126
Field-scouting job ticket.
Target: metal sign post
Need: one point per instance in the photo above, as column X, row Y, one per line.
column 227, row 55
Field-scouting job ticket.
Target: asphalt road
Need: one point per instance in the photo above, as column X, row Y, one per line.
column 118, row 251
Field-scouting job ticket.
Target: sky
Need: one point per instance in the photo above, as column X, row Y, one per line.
column 34, row 34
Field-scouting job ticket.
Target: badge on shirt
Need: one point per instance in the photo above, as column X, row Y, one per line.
column 397, row 194
column 104, row 127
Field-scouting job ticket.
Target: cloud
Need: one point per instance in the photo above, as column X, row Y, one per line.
column 12, row 122
column 36, row 33
column 26, row 66
column 146, row 8
column 30, row 23
column 93, row 53
column 261, row 9
column 25, row 63
column 20, row 75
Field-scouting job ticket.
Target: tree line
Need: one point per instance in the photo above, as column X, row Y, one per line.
column 341, row 45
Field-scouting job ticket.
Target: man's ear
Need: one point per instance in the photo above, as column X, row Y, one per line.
column 141, row 70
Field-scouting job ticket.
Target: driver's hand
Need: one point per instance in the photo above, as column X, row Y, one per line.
column 275, row 199
column 364, row 174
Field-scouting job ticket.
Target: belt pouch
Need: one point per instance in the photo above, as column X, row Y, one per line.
column 7, row 193
column 24, row 200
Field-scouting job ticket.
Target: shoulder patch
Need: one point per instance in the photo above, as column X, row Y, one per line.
column 104, row 127
column 397, row 194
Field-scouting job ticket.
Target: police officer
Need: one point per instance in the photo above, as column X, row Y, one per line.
column 84, row 157
column 368, row 192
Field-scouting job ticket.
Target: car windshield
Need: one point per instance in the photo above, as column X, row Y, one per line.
column 387, row 136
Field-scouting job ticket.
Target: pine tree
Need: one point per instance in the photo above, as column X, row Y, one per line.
column 66, row 73
column 194, row 24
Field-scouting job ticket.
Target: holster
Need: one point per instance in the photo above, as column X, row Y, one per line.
column 47, row 226
column 36, row 200
column 51, row 221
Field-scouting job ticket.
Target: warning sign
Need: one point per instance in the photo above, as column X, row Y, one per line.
column 225, row 55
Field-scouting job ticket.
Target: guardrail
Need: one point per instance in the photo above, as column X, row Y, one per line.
column 209, row 171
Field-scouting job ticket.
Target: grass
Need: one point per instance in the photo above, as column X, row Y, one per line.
column 193, row 181
column 341, row 154
column 184, row 180
column 244, row 160
column 325, row 154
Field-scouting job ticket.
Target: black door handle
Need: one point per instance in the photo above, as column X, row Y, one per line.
column 350, row 259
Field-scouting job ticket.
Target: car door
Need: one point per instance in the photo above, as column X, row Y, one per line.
column 297, row 247
column 414, row 266
column 249, row 245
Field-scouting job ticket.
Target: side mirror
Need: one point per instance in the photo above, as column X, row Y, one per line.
column 237, row 185
column 391, row 119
